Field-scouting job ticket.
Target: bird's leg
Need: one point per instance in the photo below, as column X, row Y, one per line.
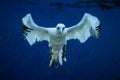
column 64, row 53
column 51, row 53
column 51, row 61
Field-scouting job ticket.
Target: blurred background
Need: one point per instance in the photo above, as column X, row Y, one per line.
column 97, row 59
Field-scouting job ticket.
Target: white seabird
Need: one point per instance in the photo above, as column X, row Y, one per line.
column 57, row 37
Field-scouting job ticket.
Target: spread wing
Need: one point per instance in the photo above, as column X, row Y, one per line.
column 88, row 26
column 32, row 32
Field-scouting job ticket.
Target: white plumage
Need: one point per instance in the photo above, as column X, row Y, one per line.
column 58, row 36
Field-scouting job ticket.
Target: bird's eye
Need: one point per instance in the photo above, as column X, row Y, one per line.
column 58, row 28
column 63, row 28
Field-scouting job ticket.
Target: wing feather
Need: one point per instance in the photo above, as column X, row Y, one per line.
column 32, row 32
column 88, row 26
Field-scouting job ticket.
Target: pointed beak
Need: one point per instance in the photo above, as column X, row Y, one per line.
column 61, row 30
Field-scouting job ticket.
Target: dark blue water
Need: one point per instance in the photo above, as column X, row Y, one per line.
column 97, row 59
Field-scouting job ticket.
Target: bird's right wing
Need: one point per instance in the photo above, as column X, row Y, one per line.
column 32, row 32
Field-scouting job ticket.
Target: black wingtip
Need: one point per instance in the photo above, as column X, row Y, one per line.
column 98, row 29
column 25, row 29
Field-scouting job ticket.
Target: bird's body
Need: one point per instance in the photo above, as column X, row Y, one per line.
column 56, row 43
column 58, row 36
column 56, row 40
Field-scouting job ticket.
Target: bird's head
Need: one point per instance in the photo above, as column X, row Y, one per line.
column 60, row 28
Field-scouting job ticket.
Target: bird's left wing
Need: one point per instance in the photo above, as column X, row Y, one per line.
column 33, row 32
column 88, row 26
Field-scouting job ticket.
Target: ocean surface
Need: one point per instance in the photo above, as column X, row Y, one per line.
column 96, row 59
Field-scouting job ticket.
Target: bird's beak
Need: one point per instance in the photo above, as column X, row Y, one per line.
column 61, row 30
